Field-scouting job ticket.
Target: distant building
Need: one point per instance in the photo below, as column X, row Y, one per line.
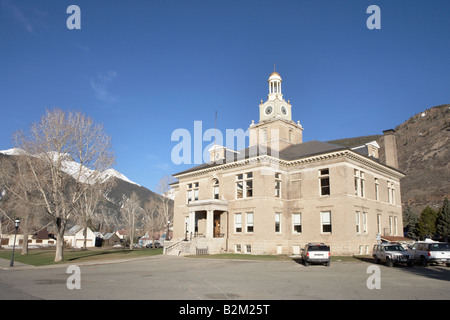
column 110, row 239
column 281, row 193
column 74, row 237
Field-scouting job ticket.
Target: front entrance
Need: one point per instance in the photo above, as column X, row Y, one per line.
column 217, row 226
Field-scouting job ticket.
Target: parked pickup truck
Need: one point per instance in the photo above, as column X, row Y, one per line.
column 428, row 252
column 391, row 254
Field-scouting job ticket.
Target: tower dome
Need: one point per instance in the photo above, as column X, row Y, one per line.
column 275, row 86
column 274, row 76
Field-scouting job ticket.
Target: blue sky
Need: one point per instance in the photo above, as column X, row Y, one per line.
column 145, row 68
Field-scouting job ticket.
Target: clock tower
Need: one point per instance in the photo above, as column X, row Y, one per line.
column 275, row 127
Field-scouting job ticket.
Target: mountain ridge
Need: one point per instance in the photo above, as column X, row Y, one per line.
column 423, row 150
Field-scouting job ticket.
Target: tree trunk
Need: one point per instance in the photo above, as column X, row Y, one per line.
column 59, row 246
column 85, row 238
column 25, row 243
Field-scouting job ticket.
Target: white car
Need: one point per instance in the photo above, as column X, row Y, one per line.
column 427, row 252
column 316, row 253
column 392, row 253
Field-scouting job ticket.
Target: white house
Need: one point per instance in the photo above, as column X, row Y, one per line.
column 75, row 237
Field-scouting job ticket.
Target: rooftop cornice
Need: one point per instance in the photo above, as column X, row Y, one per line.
column 267, row 159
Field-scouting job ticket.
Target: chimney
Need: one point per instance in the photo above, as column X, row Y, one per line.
column 390, row 148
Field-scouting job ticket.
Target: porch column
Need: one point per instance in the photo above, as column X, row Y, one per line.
column 209, row 223
column 191, row 223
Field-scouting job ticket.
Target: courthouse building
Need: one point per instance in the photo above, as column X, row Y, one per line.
column 281, row 193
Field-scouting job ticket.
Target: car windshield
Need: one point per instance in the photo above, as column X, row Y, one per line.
column 319, row 248
column 395, row 248
column 440, row 247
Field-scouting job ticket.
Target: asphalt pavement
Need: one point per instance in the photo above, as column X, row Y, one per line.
column 181, row 278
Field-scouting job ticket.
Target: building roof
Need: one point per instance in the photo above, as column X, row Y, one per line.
column 292, row 152
column 307, row 149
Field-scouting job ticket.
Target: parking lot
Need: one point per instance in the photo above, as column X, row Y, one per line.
column 167, row 277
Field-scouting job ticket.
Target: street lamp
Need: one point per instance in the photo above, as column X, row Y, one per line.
column 16, row 225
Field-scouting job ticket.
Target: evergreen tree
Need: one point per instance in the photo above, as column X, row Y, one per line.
column 410, row 219
column 426, row 227
column 443, row 220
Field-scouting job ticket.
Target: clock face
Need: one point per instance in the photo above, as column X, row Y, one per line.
column 268, row 110
column 283, row 110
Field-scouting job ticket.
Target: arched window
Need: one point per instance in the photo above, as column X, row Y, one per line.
column 215, row 189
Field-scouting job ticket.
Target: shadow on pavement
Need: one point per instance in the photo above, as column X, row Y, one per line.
column 438, row 272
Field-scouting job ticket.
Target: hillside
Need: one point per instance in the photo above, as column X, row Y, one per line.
column 423, row 149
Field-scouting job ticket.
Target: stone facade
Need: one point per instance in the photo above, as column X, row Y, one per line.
column 280, row 194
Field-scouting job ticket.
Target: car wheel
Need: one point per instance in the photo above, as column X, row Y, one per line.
column 375, row 259
column 327, row 263
column 389, row 262
column 447, row 264
column 411, row 263
column 424, row 262
column 306, row 263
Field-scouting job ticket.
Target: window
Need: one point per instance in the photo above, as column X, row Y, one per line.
column 361, row 222
column 325, row 219
column 379, row 223
column 358, row 222
column 244, row 185
column 239, row 186
column 216, row 189
column 192, row 192
column 249, row 188
column 277, row 185
column 238, row 248
column 391, row 192
column 362, row 184
column 376, row 189
column 195, row 191
column 277, row 222
column 395, row 225
column 360, row 188
column 324, row 182
column 297, row 222
column 391, row 225
column 364, row 222
column 238, row 223
column 248, row 248
column 249, row 223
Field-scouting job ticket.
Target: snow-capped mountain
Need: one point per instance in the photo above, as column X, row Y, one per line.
column 76, row 170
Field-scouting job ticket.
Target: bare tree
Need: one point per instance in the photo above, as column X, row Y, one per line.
column 132, row 214
column 152, row 220
column 86, row 207
column 165, row 210
column 19, row 199
column 49, row 146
